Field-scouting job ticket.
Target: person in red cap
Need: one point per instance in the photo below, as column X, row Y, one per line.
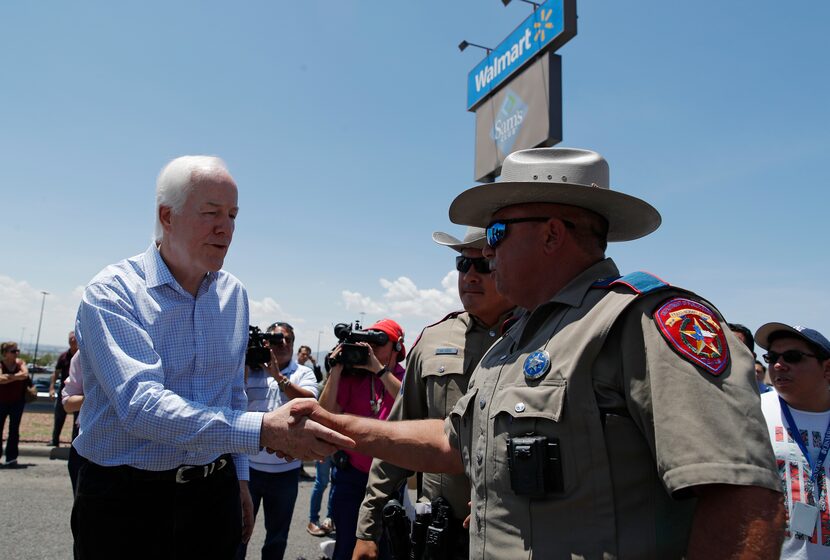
column 369, row 390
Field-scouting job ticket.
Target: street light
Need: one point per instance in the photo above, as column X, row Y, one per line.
column 39, row 323
column 319, row 334
column 534, row 4
column 464, row 44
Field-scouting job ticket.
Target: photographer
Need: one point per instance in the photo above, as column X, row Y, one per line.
column 274, row 481
column 365, row 389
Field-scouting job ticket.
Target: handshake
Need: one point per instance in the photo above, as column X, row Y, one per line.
column 296, row 430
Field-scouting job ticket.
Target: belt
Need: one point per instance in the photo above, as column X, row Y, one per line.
column 179, row 475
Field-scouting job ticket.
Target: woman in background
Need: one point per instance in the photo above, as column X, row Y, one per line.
column 14, row 379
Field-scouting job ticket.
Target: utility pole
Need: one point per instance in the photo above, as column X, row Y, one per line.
column 319, row 334
column 39, row 323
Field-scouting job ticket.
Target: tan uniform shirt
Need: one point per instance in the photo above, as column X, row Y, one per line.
column 638, row 426
column 437, row 372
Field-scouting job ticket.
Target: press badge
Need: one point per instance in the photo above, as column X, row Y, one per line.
column 804, row 518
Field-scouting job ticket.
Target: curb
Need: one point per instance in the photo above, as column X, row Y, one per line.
column 42, row 450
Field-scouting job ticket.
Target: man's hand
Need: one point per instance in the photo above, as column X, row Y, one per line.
column 273, row 367
column 372, row 363
column 247, row 511
column 289, row 431
column 51, row 391
column 365, row 550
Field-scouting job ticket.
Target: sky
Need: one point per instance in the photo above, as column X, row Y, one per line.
column 345, row 126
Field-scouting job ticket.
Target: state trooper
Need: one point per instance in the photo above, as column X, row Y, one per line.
column 437, row 372
column 619, row 417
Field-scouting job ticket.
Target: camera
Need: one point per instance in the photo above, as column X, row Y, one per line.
column 257, row 353
column 351, row 353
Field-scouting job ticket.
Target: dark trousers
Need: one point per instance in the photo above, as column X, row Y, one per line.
column 60, row 420
column 348, row 487
column 118, row 513
column 73, row 465
column 14, row 411
column 277, row 492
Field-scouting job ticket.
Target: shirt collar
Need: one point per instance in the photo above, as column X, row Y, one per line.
column 574, row 292
column 158, row 274
column 290, row 368
column 475, row 322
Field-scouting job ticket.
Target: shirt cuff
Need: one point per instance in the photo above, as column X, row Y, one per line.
column 245, row 429
column 681, row 479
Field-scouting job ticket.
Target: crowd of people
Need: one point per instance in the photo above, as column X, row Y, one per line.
column 567, row 411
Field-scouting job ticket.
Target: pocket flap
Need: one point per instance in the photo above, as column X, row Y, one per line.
column 446, row 364
column 545, row 400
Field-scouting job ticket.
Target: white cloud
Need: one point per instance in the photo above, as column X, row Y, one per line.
column 266, row 311
column 403, row 301
column 20, row 305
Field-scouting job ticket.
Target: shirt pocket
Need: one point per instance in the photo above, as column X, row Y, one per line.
column 523, row 410
column 461, row 422
column 445, row 383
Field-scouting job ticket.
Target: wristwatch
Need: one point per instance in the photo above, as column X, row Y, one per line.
column 283, row 384
column 383, row 370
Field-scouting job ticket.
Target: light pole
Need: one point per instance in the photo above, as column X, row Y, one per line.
column 319, row 334
column 39, row 323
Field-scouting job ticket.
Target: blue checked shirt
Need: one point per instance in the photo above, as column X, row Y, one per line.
column 164, row 370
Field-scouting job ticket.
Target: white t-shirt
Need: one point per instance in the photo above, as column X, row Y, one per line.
column 264, row 395
column 795, row 473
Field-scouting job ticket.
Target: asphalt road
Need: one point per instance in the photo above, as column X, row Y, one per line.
column 36, row 502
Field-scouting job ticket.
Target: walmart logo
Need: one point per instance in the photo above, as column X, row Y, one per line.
column 509, row 121
column 543, row 24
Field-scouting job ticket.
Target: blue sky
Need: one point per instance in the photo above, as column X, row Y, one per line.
column 345, row 126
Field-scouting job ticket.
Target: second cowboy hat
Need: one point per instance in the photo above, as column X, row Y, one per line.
column 474, row 238
column 562, row 176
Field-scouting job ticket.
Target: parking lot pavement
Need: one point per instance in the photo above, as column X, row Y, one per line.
column 37, row 502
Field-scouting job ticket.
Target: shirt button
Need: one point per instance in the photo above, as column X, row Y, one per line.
column 520, row 407
column 441, row 369
column 492, row 333
column 482, row 403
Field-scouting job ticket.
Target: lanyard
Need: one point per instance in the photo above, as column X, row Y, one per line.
column 817, row 468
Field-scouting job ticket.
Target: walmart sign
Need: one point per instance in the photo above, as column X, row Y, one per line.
column 549, row 27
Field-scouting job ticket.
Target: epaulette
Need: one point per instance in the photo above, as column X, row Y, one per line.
column 451, row 315
column 639, row 282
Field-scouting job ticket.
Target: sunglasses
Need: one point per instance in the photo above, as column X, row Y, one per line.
column 15, row 351
column 497, row 230
column 790, row 356
column 480, row 264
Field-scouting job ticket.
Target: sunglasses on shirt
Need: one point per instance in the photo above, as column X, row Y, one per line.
column 789, row 356
column 497, row 230
column 480, row 264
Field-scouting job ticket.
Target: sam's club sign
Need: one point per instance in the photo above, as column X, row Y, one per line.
column 550, row 26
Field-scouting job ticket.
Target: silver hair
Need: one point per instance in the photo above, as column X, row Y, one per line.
column 176, row 180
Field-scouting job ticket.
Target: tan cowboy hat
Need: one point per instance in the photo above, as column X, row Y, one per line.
column 474, row 238
column 562, row 176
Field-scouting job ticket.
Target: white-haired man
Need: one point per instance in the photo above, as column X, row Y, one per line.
column 618, row 418
column 164, row 430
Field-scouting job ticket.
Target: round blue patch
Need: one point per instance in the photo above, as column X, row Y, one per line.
column 537, row 364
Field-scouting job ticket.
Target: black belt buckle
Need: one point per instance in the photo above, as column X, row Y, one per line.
column 206, row 471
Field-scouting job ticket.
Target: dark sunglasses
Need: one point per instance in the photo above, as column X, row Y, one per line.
column 15, row 351
column 790, row 356
column 497, row 230
column 480, row 264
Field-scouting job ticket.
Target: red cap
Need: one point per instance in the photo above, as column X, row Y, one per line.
column 394, row 331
